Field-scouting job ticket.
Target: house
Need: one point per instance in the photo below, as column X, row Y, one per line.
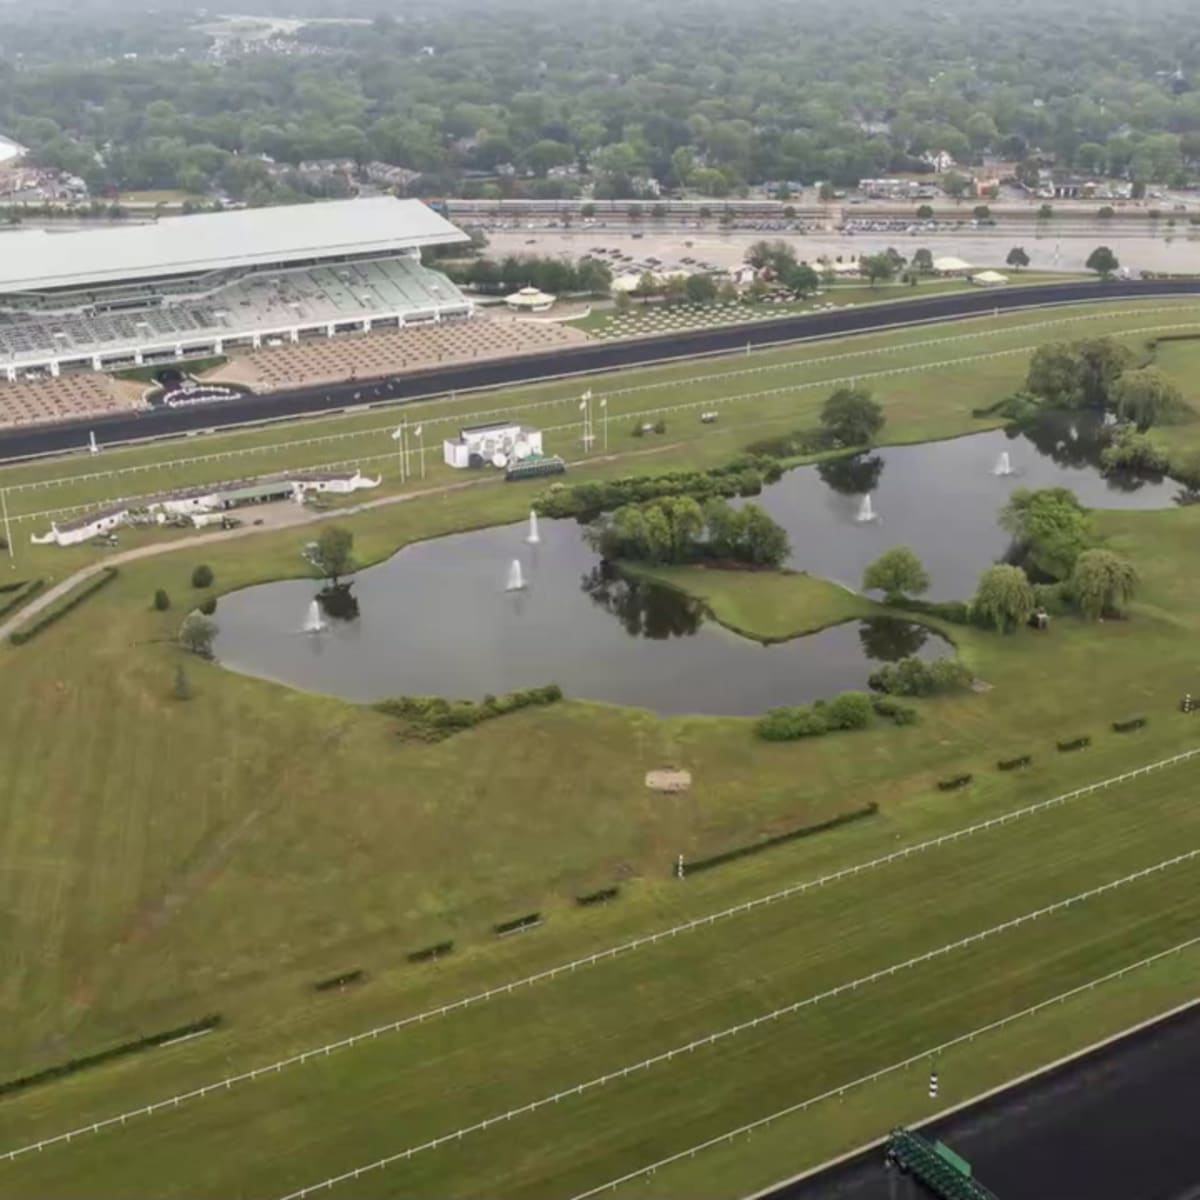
column 497, row 443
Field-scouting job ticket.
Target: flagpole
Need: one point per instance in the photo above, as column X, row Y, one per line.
column 420, row 432
column 7, row 526
column 604, row 409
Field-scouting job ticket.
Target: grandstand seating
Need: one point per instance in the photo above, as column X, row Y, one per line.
column 247, row 304
column 67, row 398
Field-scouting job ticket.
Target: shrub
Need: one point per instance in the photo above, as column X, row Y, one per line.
column 202, row 576
column 716, row 860
column 850, row 710
column 208, row 605
column 340, row 981
column 161, row 600
column 637, row 430
column 600, row 897
column 955, row 781
column 660, row 426
column 528, row 921
column 28, row 632
column 1078, row 743
column 1129, row 724
column 18, row 594
column 957, row 612
column 429, row 952
column 9, row 1086
column 1014, row 764
column 1054, row 598
column 895, row 711
column 915, row 677
column 791, row 723
column 435, row 717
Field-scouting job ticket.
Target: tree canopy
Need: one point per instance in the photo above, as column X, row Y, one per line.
column 1102, row 582
column 897, row 572
column 1146, row 396
column 1050, row 524
column 1103, row 261
column 334, row 553
column 852, row 416
column 1004, row 598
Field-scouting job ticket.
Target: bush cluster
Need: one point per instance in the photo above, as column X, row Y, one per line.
column 957, row 612
column 1054, row 598
column 1129, row 724
column 916, row 677
column 600, row 897
column 435, row 717
column 1075, row 743
column 48, row 618
column 716, row 860
column 9, row 1086
column 798, row 443
column 1014, row 764
column 741, row 476
column 426, row 953
column 955, row 781
column 895, row 711
column 850, row 710
column 528, row 921
column 340, row 981
column 18, row 594
column 202, row 576
column 1132, row 451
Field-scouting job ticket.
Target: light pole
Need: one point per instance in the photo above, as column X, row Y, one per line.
column 585, row 406
column 604, row 412
column 398, row 438
column 7, row 528
column 420, row 432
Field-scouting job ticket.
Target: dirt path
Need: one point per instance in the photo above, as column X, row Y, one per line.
column 281, row 519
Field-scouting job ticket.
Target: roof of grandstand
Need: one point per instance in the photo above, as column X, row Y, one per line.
column 36, row 260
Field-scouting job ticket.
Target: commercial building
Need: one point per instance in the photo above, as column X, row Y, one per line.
column 498, row 443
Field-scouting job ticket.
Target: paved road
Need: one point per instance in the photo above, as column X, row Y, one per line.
column 596, row 356
column 1121, row 1124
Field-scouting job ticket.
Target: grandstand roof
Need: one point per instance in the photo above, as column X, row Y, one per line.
column 36, row 260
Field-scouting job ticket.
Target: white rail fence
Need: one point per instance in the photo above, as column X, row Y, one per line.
column 651, row 939
column 733, row 1030
column 921, row 1057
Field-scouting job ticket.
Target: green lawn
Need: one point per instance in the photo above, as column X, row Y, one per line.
column 163, row 859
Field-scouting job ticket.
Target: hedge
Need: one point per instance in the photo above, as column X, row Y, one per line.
column 19, row 593
column 9, row 1086
column 957, row 612
column 1075, row 743
column 434, row 717
column 600, row 897
column 1129, row 724
column 955, row 781
column 428, row 952
column 1014, row 764
column 21, row 636
column 528, row 921
column 340, row 981
column 792, row 835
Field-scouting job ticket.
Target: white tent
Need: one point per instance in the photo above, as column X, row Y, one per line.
column 529, row 299
column 951, row 265
column 989, row 278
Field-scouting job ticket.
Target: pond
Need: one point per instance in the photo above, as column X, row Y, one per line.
column 436, row 618
column 941, row 498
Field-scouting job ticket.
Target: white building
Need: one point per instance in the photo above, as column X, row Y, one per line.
column 498, row 443
column 529, row 299
column 83, row 529
column 211, row 283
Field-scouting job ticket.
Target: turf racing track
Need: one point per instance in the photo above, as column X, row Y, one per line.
column 601, row 356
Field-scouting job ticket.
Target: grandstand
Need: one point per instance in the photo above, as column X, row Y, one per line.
column 218, row 283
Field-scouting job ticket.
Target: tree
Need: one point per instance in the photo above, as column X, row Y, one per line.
column 826, row 192
column 981, row 212
column 878, row 268
column 1103, row 261
column 1102, row 582
column 1052, row 526
column 334, row 556
column 849, row 710
column 802, row 280
column 852, row 416
column 701, row 289
column 956, row 185
column 896, row 572
column 1045, row 212
column 1102, row 362
column 197, row 633
column 764, row 541
column 181, row 688
column 1017, row 257
column 1004, row 598
column 1056, row 375
column 1145, row 397
column 161, row 600
column 922, row 260
column 924, row 212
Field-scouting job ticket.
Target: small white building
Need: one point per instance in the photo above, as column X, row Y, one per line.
column 529, row 299
column 337, row 483
column 498, row 443
column 949, row 265
column 82, row 529
column 989, row 278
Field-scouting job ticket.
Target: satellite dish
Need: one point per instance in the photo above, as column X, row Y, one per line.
column 521, row 449
column 499, row 460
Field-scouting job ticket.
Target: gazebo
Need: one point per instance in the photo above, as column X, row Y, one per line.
column 529, row 299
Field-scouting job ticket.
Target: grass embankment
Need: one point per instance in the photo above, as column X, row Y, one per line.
column 164, row 859
column 189, row 366
column 929, row 381
column 343, row 1111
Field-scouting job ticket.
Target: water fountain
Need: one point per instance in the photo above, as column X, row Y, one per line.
column 516, row 577
column 313, row 622
column 533, row 537
column 1003, row 464
column 865, row 511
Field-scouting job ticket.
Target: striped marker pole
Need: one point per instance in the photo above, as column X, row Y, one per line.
column 933, row 1085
